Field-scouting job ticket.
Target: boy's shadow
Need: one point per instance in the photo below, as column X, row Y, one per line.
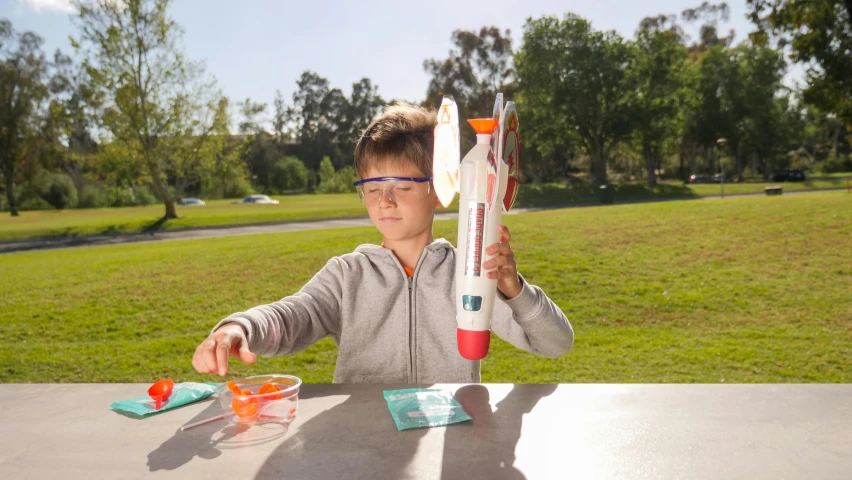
column 356, row 438
column 486, row 446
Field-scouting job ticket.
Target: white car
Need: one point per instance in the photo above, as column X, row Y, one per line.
column 190, row 202
column 258, row 199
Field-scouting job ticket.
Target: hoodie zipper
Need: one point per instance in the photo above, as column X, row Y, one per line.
column 411, row 328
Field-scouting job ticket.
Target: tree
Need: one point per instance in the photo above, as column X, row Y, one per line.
column 251, row 112
column 819, row 34
column 361, row 109
column 479, row 67
column 282, row 120
column 157, row 98
column 761, row 113
column 658, row 73
column 73, row 109
column 23, row 70
column 710, row 14
column 197, row 146
column 327, row 123
column 574, row 86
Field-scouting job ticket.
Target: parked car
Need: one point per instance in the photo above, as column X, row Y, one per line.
column 258, row 199
column 191, row 202
column 698, row 179
column 790, row 175
column 718, row 179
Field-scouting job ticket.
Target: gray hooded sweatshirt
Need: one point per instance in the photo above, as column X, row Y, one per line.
column 391, row 328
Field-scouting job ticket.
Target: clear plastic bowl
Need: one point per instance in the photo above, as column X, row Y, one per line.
column 279, row 407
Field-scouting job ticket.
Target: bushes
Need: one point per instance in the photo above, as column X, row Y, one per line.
column 46, row 190
column 289, row 175
column 335, row 182
column 96, row 196
column 842, row 163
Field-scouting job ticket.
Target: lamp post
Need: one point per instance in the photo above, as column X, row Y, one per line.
column 722, row 142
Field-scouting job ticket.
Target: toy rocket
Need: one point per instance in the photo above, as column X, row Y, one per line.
column 487, row 181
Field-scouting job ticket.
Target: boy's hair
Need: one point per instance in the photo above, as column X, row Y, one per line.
column 404, row 133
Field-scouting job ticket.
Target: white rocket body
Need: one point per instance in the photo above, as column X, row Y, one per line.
column 479, row 219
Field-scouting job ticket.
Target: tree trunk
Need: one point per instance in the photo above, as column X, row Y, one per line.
column 767, row 172
column 693, row 164
column 739, row 165
column 598, row 163
column 162, row 189
column 10, row 196
column 650, row 164
column 711, row 160
column 835, row 140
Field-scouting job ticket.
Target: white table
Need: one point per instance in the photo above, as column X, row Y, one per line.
column 518, row 431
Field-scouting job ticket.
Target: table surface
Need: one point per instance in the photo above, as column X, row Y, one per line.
column 518, row 431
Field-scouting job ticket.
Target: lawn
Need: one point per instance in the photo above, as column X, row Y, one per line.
column 64, row 223
column 750, row 289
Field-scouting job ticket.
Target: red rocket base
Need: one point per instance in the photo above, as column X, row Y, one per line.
column 473, row 344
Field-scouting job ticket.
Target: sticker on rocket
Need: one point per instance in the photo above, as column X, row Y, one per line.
column 511, row 152
column 475, row 225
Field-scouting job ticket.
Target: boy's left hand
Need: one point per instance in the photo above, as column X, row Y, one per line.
column 507, row 271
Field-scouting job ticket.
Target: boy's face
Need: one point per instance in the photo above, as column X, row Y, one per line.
column 402, row 220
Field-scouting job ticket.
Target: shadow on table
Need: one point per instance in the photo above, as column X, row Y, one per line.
column 354, row 438
column 486, row 446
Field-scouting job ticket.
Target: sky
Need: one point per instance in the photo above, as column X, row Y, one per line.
column 255, row 47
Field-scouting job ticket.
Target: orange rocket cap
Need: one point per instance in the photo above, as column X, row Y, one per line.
column 483, row 126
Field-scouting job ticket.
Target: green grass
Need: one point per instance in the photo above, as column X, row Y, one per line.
column 836, row 174
column 742, row 290
column 66, row 223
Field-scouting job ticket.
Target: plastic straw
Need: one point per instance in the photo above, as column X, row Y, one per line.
column 202, row 422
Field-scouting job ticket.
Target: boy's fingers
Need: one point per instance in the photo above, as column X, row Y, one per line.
column 222, row 350
column 208, row 356
column 501, row 248
column 244, row 353
column 505, row 233
column 196, row 363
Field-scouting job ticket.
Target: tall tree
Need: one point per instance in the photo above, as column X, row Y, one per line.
column 478, row 67
column 757, row 114
column 658, row 71
column 363, row 106
column 74, row 106
column 575, row 87
column 709, row 16
column 327, row 122
column 135, row 56
column 23, row 71
column 819, row 34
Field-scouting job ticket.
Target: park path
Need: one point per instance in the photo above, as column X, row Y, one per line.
column 226, row 231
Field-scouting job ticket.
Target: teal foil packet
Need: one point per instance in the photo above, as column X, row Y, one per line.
column 182, row 394
column 419, row 407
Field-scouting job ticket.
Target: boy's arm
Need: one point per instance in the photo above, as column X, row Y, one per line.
column 531, row 321
column 296, row 322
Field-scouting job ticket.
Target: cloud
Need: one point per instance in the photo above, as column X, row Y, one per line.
column 39, row 6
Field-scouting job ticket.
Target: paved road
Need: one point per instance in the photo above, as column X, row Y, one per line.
column 92, row 240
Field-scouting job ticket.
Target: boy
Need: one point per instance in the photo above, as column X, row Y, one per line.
column 390, row 309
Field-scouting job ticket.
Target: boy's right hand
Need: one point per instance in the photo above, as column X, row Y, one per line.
column 211, row 356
